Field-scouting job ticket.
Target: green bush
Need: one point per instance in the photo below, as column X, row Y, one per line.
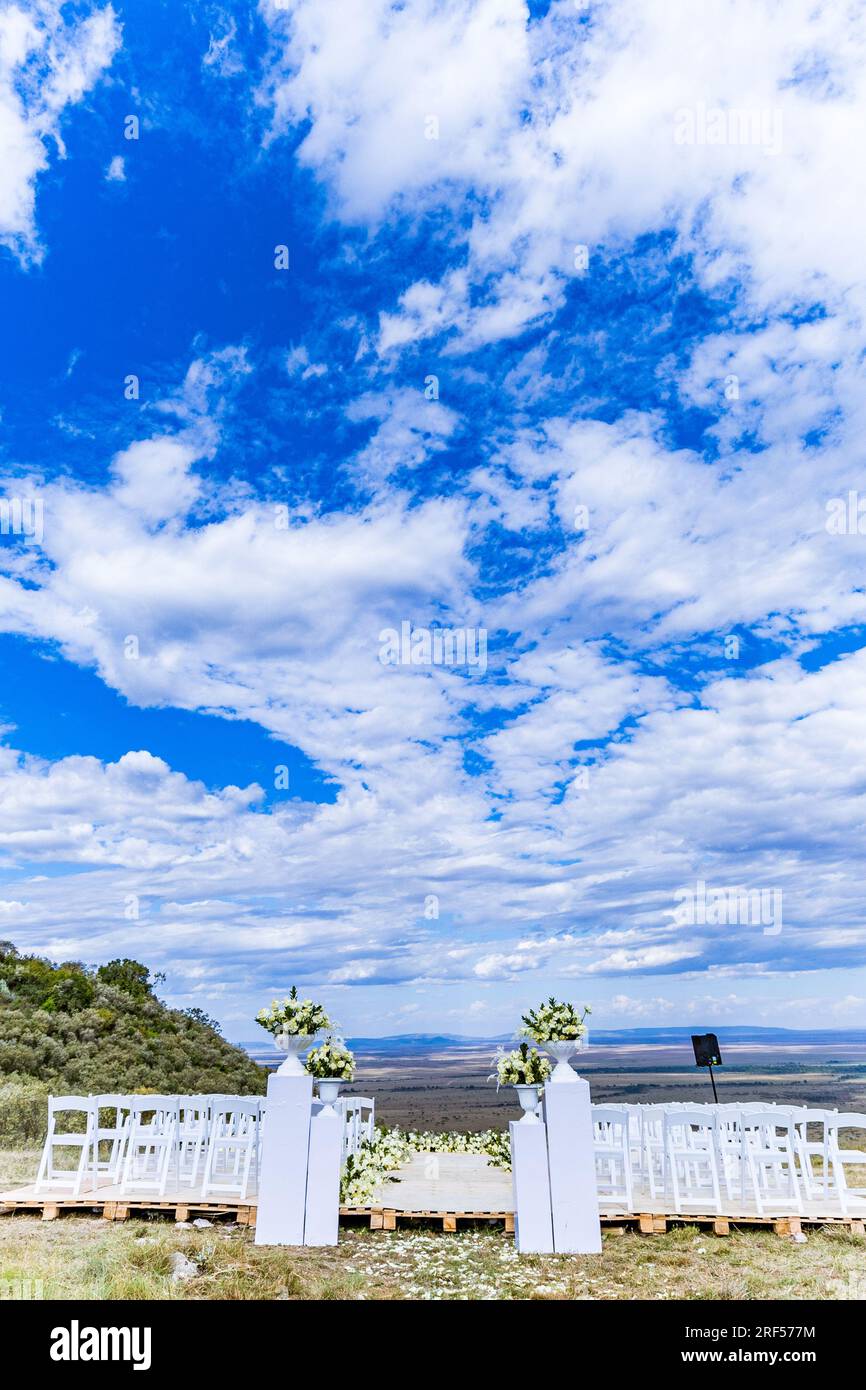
column 23, row 1111
column 73, row 1030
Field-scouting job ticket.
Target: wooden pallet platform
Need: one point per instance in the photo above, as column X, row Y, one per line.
column 387, row 1218
column 51, row 1206
column 449, row 1190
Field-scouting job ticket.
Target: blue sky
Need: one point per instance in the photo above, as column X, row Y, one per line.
column 541, row 366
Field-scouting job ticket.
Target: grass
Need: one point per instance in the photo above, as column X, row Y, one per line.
column 84, row 1257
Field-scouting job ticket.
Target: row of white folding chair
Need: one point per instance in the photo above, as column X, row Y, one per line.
column 686, row 1149
column 86, row 1140
column 647, row 1135
column 689, row 1152
column 764, row 1153
column 219, row 1133
column 151, row 1137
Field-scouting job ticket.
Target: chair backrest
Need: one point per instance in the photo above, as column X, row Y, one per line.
column 769, row 1119
column 848, row 1119
column 611, row 1123
column 239, row 1105
column 162, row 1105
column 231, row 1109
column 803, row 1115
column 610, row 1115
column 57, row 1104
column 689, row 1118
column 193, row 1105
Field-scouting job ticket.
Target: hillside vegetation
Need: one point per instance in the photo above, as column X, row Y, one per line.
column 74, row 1028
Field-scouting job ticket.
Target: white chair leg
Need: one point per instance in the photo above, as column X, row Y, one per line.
column 248, row 1158
column 81, row 1169
column 675, row 1182
column 43, row 1162
column 714, row 1173
column 756, row 1186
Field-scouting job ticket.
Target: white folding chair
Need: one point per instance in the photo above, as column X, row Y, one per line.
column 652, row 1146
column 612, row 1147
column 192, row 1132
column 691, row 1167
column 839, row 1157
column 730, row 1141
column 232, row 1147
column 152, row 1149
column 114, row 1134
column 770, row 1158
column 807, row 1149
column 49, row 1174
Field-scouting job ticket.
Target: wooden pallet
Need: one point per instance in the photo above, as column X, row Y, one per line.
column 386, row 1218
column 656, row 1223
column 111, row 1210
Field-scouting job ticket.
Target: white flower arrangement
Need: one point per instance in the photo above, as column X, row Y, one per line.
column 368, row 1167
column 390, row 1148
column 523, row 1067
column 298, row 1017
column 554, row 1022
column 451, row 1141
column 331, row 1060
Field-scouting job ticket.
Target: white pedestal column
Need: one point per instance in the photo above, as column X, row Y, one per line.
column 285, row 1149
column 571, row 1162
column 533, row 1232
column 323, row 1177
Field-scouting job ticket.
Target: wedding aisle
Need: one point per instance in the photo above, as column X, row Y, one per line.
column 441, row 1182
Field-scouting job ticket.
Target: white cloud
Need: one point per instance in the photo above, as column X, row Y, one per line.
column 560, row 133
column 753, row 781
column 221, row 57
column 47, row 64
column 411, row 429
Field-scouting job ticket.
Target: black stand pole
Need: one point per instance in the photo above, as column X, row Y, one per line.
column 713, row 1079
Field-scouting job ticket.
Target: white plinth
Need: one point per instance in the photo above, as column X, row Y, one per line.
column 571, row 1163
column 323, row 1177
column 285, row 1147
column 533, row 1232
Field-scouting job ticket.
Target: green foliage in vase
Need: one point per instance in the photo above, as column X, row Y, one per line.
column 331, row 1060
column 525, row 1066
column 296, row 1016
column 554, row 1022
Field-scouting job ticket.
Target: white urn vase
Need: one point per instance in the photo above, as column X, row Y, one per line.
column 293, row 1044
column 528, row 1097
column 329, row 1090
column 560, row 1052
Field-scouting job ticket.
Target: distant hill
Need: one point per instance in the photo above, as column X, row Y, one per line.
column 79, row 1028
column 263, row 1050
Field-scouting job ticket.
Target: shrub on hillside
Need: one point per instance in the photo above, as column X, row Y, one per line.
column 78, row 1030
column 23, row 1111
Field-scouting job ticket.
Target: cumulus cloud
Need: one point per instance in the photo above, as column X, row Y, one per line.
column 48, row 63
column 558, row 133
column 533, row 822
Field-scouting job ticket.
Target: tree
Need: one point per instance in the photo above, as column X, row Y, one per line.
column 127, row 975
column 199, row 1016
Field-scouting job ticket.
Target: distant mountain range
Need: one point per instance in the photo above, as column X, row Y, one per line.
column 620, row 1037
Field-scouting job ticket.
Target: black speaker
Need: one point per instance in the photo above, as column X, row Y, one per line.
column 707, row 1052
